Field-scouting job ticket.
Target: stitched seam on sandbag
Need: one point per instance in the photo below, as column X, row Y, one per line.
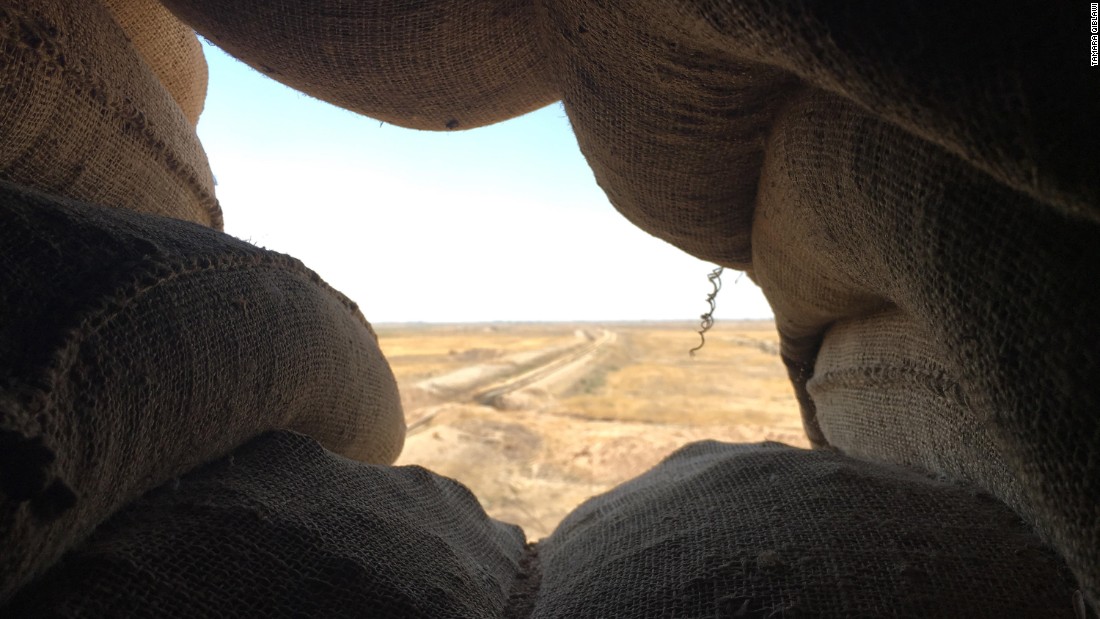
column 99, row 318
column 41, row 398
column 103, row 316
column 939, row 384
column 130, row 121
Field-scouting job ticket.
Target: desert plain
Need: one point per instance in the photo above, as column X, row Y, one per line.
column 536, row 418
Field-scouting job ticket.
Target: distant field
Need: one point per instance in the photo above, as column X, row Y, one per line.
column 535, row 418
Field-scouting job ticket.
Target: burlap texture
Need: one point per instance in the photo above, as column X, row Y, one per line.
column 83, row 116
column 135, row 347
column 672, row 101
column 284, row 529
column 885, row 390
column 674, row 131
column 950, row 173
column 1003, row 87
column 426, row 65
column 721, row 530
column 984, row 352
column 170, row 48
column 926, row 232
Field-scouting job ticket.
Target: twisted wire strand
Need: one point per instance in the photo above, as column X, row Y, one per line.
column 706, row 321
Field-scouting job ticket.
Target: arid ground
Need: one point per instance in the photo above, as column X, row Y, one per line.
column 535, row 418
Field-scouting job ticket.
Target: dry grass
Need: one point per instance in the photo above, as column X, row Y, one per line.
column 641, row 398
column 728, row 382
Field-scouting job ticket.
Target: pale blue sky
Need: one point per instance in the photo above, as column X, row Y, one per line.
column 499, row 223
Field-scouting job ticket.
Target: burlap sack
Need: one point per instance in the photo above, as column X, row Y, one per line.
column 425, row 65
column 720, row 530
column 672, row 100
column 978, row 359
column 1004, row 87
column 170, row 48
column 82, row 115
column 884, row 390
column 945, row 192
column 134, row 347
column 284, row 529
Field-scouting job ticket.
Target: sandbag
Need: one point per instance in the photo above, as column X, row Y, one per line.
column 673, row 129
column 83, row 116
column 170, row 48
column 767, row 530
column 672, row 101
column 996, row 85
column 884, row 390
column 134, row 348
column 947, row 321
column 425, row 65
column 283, row 528
column 893, row 168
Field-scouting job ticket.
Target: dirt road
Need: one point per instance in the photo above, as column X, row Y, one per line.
column 494, row 383
column 555, row 375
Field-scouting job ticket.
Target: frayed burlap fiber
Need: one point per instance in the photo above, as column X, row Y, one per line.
column 913, row 186
column 134, row 348
column 283, row 528
column 84, row 116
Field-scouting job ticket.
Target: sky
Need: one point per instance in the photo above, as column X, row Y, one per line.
column 499, row 223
